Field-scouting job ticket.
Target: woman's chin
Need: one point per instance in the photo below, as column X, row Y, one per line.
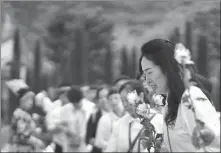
column 159, row 91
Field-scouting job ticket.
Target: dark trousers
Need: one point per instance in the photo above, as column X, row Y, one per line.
column 96, row 150
column 58, row 148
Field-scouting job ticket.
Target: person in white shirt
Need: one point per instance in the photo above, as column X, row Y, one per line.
column 106, row 123
column 102, row 107
column 87, row 103
column 128, row 127
column 72, row 122
column 53, row 117
column 121, row 80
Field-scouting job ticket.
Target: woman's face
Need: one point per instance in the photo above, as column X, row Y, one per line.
column 154, row 76
column 115, row 100
column 92, row 94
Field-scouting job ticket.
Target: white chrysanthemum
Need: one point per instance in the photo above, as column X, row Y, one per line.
column 142, row 109
column 158, row 99
column 182, row 55
column 132, row 97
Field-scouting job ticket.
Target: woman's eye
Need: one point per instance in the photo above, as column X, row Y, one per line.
column 149, row 72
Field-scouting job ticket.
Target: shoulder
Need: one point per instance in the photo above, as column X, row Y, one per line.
column 196, row 101
column 58, row 102
column 194, row 92
column 195, row 95
column 87, row 103
column 66, row 108
column 104, row 119
column 55, row 111
column 122, row 120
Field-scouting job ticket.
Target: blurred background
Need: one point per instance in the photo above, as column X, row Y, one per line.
column 51, row 43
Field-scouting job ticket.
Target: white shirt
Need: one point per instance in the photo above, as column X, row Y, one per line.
column 89, row 108
column 75, row 119
column 52, row 119
column 119, row 140
column 48, row 105
column 157, row 122
column 104, row 129
column 180, row 135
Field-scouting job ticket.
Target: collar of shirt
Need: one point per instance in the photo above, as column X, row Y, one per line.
column 103, row 112
column 113, row 116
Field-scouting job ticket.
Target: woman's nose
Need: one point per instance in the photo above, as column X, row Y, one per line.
column 148, row 81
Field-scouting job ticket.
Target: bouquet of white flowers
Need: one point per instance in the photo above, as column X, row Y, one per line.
column 149, row 137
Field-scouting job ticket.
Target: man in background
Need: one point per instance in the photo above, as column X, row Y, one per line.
column 107, row 121
column 121, row 80
column 53, row 116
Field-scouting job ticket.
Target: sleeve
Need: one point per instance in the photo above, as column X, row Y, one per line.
column 103, row 133
column 202, row 110
column 112, row 142
column 52, row 118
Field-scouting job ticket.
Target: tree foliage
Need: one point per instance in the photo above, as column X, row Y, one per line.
column 208, row 23
column 60, row 35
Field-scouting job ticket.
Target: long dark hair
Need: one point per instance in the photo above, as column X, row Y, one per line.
column 201, row 82
column 161, row 52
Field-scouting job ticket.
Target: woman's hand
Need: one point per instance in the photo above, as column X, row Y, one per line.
column 202, row 136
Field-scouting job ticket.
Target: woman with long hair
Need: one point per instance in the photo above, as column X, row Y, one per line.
column 183, row 131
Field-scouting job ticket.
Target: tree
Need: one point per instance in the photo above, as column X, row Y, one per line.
column 202, row 61
column 188, row 36
column 15, row 69
column 124, row 62
column 134, row 63
column 63, row 32
column 37, row 68
column 108, row 65
column 175, row 36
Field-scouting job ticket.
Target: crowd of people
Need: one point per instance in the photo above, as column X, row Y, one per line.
column 101, row 118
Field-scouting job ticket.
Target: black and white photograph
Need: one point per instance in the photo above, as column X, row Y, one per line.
column 110, row 76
